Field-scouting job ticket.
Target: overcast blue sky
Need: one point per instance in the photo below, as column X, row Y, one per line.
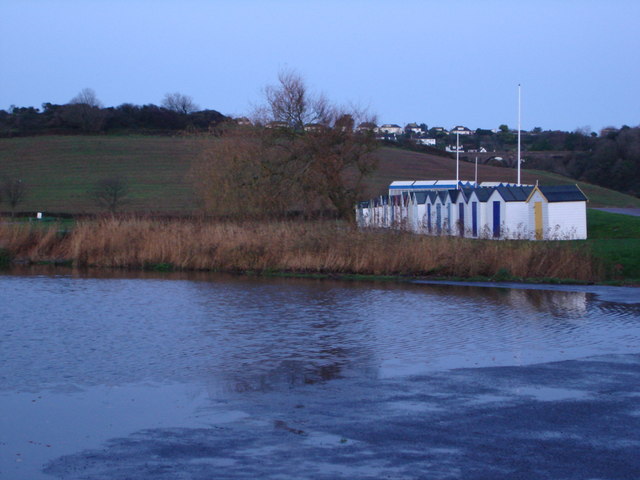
column 442, row 63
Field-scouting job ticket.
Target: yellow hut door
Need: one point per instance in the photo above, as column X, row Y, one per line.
column 537, row 210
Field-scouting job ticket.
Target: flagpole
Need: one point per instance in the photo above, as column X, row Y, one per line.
column 457, row 160
column 476, row 171
column 519, row 127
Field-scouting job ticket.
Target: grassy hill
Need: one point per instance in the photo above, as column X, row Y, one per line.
column 60, row 170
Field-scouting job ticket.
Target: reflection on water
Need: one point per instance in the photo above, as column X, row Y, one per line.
column 242, row 334
column 74, row 345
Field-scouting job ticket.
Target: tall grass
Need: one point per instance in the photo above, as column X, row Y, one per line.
column 291, row 246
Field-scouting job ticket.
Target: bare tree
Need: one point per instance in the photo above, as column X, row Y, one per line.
column 110, row 193
column 14, row 190
column 303, row 167
column 87, row 96
column 85, row 110
column 291, row 102
column 179, row 103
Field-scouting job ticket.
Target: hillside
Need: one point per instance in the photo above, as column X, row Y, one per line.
column 60, row 170
column 396, row 164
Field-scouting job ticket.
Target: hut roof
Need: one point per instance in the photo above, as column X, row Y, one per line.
column 483, row 193
column 512, row 193
column 443, row 194
column 421, row 197
column 562, row 193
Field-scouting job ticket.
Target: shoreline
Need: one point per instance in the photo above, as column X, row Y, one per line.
column 22, row 267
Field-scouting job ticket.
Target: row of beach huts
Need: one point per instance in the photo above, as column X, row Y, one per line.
column 487, row 210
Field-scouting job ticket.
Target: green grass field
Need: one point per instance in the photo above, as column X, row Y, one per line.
column 615, row 240
column 59, row 171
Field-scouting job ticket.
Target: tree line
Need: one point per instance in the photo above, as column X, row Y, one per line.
column 611, row 160
column 85, row 114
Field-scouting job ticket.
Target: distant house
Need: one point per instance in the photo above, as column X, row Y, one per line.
column 438, row 130
column 275, row 124
column 608, row 131
column 390, row 128
column 244, row 121
column 454, row 148
column 366, row 127
column 426, row 141
column 477, row 150
column 460, row 130
column 314, row 127
column 413, row 128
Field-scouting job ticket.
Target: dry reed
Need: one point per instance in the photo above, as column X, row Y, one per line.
column 291, row 246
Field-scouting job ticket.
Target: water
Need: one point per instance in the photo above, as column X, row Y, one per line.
column 86, row 360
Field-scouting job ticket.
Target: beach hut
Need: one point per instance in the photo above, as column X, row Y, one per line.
column 557, row 212
column 418, row 211
column 460, row 211
column 428, row 220
column 478, row 206
column 507, row 213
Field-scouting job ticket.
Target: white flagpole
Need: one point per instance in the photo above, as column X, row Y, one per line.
column 476, row 171
column 519, row 127
column 457, row 160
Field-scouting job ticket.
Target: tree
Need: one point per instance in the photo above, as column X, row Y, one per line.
column 88, row 97
column 179, row 103
column 85, row 111
column 317, row 162
column 290, row 101
column 110, row 193
column 14, row 191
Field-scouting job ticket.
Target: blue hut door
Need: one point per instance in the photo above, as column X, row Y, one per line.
column 496, row 219
column 439, row 218
column 474, row 218
column 461, row 218
column 429, row 217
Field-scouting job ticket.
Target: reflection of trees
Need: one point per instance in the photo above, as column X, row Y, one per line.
column 271, row 335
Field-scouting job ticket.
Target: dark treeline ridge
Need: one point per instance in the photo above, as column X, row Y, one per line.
column 611, row 160
column 79, row 118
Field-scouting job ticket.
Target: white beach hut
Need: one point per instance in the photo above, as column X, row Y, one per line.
column 557, row 212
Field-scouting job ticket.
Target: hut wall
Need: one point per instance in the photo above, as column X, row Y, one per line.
column 567, row 220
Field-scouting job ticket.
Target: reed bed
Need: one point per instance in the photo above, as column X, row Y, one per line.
column 291, row 246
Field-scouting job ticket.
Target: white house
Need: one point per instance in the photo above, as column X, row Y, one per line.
column 414, row 128
column 460, row 130
column 390, row 128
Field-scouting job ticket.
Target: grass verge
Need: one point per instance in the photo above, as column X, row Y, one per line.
column 614, row 240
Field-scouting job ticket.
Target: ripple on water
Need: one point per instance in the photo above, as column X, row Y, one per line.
column 261, row 333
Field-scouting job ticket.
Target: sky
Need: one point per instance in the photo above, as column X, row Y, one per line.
column 442, row 63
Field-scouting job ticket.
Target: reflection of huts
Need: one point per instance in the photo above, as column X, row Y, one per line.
column 497, row 211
